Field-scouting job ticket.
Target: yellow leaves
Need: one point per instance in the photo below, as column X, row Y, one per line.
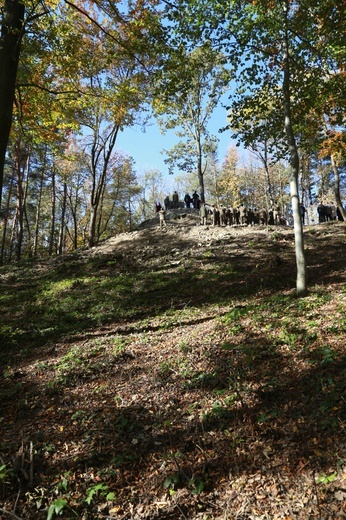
column 334, row 144
column 52, row 4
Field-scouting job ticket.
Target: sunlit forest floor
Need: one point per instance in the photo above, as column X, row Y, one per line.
column 176, row 376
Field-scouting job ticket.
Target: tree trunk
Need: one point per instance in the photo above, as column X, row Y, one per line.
column 337, row 188
column 265, row 162
column 11, row 35
column 92, row 226
column 6, row 219
column 98, row 150
column 20, row 202
column 263, row 156
column 73, row 206
column 52, row 224
column 38, row 212
column 26, row 177
column 199, row 171
column 62, row 224
column 301, row 285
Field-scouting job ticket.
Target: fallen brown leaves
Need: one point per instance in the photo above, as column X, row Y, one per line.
column 229, row 410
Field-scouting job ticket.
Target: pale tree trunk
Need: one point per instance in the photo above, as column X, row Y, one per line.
column 301, row 284
column 337, row 187
column 38, row 212
column 199, row 170
column 62, row 224
column 130, row 215
column 268, row 177
column 53, row 211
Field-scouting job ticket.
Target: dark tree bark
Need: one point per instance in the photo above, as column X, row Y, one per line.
column 101, row 153
column 6, row 217
column 10, row 39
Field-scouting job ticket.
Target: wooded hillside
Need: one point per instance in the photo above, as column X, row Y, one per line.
column 176, row 376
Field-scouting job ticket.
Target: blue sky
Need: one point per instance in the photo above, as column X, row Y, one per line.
column 146, row 148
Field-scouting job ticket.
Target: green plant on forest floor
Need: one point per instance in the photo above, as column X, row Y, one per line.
column 56, row 508
column 98, row 489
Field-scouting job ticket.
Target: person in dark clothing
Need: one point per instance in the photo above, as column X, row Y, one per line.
column 216, row 216
column 271, row 217
column 250, row 217
column 187, row 200
column 328, row 212
column 229, row 216
column 321, row 210
column 167, row 203
column 302, row 211
column 175, row 200
column 195, row 200
column 222, row 215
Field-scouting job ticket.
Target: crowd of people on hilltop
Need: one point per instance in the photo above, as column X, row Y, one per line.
column 221, row 215
column 188, row 201
column 328, row 212
column 240, row 215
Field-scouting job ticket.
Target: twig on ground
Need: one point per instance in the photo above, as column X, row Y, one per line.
column 10, row 514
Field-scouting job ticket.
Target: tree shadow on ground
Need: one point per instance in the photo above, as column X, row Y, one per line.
column 247, row 412
column 75, row 295
column 235, row 399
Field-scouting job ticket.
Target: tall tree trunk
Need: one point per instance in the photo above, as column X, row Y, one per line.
column 265, row 162
column 92, row 225
column 53, row 209
column 38, row 212
column 263, row 156
column 27, row 171
column 98, row 150
column 199, row 170
column 6, row 218
column 337, row 187
column 20, row 202
column 10, row 39
column 11, row 246
column 100, row 218
column 301, row 285
column 130, row 214
column 72, row 198
column 62, row 225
